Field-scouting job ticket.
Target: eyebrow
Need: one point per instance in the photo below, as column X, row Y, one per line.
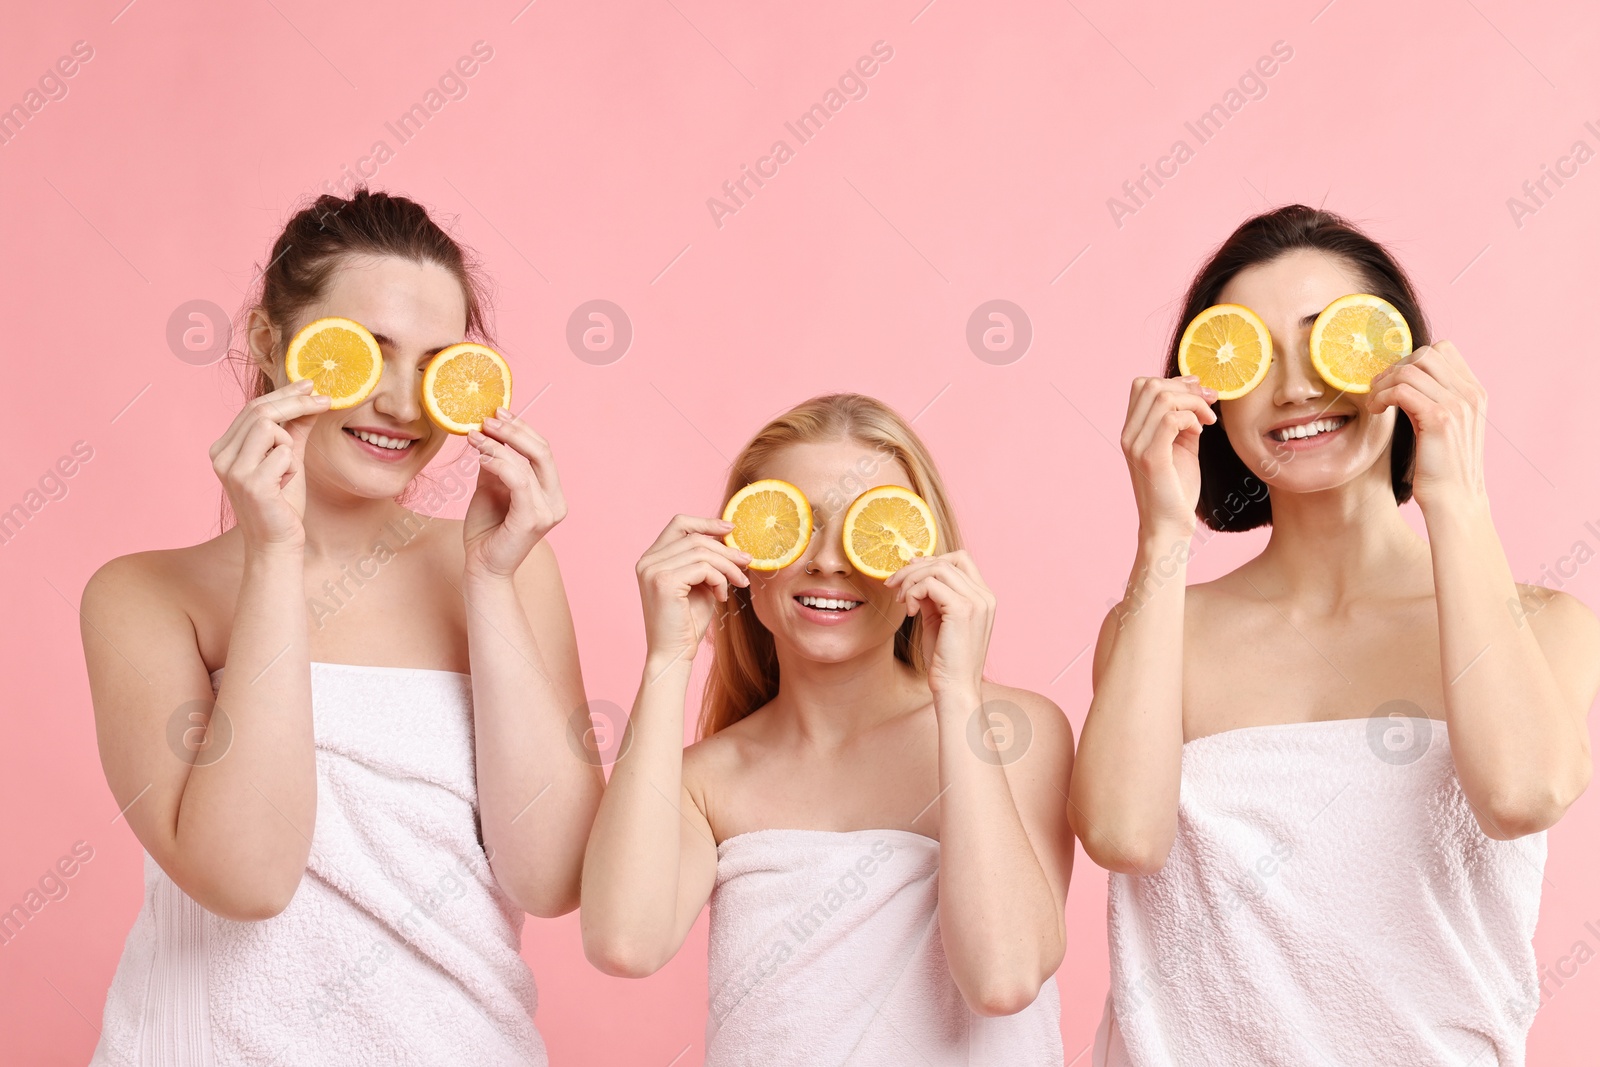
column 1311, row 319
column 385, row 339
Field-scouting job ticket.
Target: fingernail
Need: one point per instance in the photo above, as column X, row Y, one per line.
column 491, row 421
column 504, row 413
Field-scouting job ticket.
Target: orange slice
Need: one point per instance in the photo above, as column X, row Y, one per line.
column 771, row 521
column 887, row 526
column 341, row 358
column 463, row 385
column 1228, row 348
column 1356, row 338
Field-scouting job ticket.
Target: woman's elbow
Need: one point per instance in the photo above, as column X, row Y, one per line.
column 540, row 901
column 1000, row 996
column 1127, row 854
column 1506, row 816
column 621, row 957
column 264, row 899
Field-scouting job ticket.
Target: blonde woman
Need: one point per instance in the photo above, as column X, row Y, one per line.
column 886, row 876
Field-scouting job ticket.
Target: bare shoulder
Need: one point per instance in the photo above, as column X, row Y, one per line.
column 139, row 623
column 1568, row 633
column 541, row 570
column 1204, row 598
column 1553, row 613
column 1201, row 603
column 156, row 580
column 1048, row 730
column 712, row 764
column 538, row 571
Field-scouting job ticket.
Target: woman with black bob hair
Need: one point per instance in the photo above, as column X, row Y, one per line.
column 1322, row 780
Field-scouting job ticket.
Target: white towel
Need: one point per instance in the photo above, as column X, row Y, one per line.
column 398, row 947
column 1329, row 899
column 825, row 951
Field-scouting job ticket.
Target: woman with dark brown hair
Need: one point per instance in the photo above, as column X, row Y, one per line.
column 340, row 728
column 1322, row 780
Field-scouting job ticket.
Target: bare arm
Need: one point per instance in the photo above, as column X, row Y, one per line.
column 539, row 780
column 229, row 820
column 652, row 859
column 1518, row 684
column 1005, row 849
column 1124, row 798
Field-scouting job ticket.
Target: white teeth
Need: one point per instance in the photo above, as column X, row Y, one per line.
column 825, row 602
column 382, row 441
column 1310, row 429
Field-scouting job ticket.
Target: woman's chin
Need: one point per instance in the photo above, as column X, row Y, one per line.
column 827, row 648
column 360, row 480
column 1313, row 477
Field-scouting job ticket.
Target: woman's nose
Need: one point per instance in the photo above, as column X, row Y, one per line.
column 1298, row 380
column 399, row 393
column 826, row 551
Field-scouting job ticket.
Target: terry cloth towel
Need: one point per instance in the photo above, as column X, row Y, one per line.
column 397, row 948
column 1329, row 899
column 825, row 951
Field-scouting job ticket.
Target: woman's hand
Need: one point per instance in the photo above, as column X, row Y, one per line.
column 957, row 611
column 681, row 577
column 260, row 461
column 517, row 500
column 1161, row 441
column 1448, row 408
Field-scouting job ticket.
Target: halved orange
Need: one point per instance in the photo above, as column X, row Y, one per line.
column 1356, row 338
column 886, row 527
column 340, row 356
column 1228, row 348
column 464, row 384
column 771, row 521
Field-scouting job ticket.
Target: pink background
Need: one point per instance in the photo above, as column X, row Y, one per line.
column 579, row 164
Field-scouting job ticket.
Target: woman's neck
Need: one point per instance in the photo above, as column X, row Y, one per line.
column 826, row 704
column 1330, row 547
column 340, row 526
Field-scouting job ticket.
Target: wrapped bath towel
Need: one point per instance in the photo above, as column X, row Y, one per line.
column 1329, row 899
column 398, row 947
column 825, row 951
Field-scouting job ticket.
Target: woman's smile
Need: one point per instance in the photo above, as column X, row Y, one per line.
column 1309, row 432
column 826, row 607
column 392, row 447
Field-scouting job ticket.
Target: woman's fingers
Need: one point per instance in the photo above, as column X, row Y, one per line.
column 507, row 428
column 682, row 525
column 1175, row 414
column 272, row 470
column 273, row 409
column 704, row 569
column 1141, row 398
column 1405, row 396
column 954, row 573
column 1453, row 357
column 257, row 439
column 932, row 588
column 718, row 555
column 1149, row 414
column 957, row 569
